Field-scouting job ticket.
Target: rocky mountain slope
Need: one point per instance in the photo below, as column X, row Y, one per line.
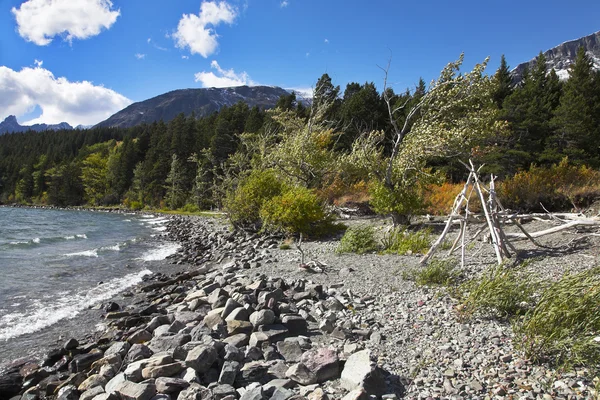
column 563, row 55
column 10, row 125
column 203, row 102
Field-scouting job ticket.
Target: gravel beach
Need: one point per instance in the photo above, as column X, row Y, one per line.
column 245, row 321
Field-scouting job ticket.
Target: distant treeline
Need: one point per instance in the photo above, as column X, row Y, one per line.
column 188, row 160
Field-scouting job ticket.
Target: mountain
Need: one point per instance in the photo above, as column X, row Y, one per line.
column 563, row 55
column 10, row 125
column 203, row 102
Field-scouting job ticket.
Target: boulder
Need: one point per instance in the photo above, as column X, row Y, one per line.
column 135, row 391
column 201, row 358
column 361, row 373
column 170, row 385
column 324, row 363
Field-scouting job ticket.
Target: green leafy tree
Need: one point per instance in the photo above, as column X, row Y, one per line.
column 455, row 114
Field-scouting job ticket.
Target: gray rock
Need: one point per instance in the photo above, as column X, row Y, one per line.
column 221, row 391
column 201, row 358
column 141, row 336
column 162, row 370
column 190, row 375
column 91, row 393
column 71, row 344
column 270, row 387
column 361, row 373
column 112, row 385
column 236, row 326
column 170, row 385
column 230, row 305
column 167, row 343
column 262, row 317
column 156, row 322
column 135, row 391
column 301, row 374
column 91, row 382
column 195, row 392
column 254, row 394
column 238, row 340
column 290, row 351
column 68, row 392
column 240, row 314
column 120, row 348
column 229, row 372
column 295, row 324
column 282, row 393
column 82, row 362
column 137, row 352
column 323, row 363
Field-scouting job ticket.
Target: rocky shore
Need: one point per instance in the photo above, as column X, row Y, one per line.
column 241, row 320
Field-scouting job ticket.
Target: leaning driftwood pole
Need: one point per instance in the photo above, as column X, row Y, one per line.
column 455, row 208
column 493, row 234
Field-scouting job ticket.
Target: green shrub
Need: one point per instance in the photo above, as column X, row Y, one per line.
column 297, row 210
column 436, row 273
column 359, row 240
column 243, row 205
column 190, row 208
column 136, row 205
column 403, row 201
column 503, row 292
column 565, row 324
column 402, row 241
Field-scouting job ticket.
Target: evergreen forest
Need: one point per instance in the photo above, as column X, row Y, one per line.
column 358, row 144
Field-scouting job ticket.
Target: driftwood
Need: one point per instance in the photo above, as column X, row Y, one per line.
column 495, row 217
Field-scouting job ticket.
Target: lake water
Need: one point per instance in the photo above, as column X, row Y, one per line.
column 57, row 264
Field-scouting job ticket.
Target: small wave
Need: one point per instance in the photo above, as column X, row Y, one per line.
column 126, row 220
column 87, row 253
column 160, row 228
column 116, row 247
column 82, row 236
column 69, row 237
column 156, row 221
column 36, row 240
column 18, row 243
column 42, row 314
column 161, row 252
column 148, row 216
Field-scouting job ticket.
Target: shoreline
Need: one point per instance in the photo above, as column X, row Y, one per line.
column 359, row 313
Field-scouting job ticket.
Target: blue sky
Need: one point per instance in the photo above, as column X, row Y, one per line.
column 82, row 60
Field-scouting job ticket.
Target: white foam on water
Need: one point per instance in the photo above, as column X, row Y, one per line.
column 116, row 247
column 161, row 252
column 160, row 228
column 36, row 240
column 17, row 243
column 43, row 314
column 126, row 220
column 87, row 253
column 156, row 221
column 82, row 236
column 70, row 237
column 148, row 216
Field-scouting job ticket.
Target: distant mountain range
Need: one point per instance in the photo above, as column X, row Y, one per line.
column 563, row 55
column 10, row 125
column 202, row 102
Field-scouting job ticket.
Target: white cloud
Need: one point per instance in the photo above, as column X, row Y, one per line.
column 223, row 78
column 185, row 57
column 307, row 54
column 140, row 56
column 326, row 41
column 194, row 32
column 59, row 99
column 284, row 4
column 39, row 21
column 38, row 63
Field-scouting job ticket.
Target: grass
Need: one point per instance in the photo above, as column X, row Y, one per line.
column 286, row 244
column 402, row 241
column 436, row 273
column 564, row 326
column 503, row 292
column 359, row 240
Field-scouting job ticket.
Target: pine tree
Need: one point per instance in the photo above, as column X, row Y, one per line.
column 503, row 81
column 577, row 120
